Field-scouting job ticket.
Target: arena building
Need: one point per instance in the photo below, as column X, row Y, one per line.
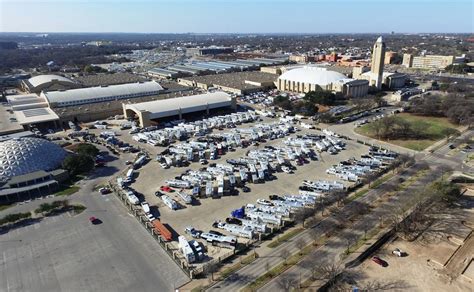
column 29, row 168
column 310, row 78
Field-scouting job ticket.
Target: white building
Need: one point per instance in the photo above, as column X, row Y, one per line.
column 310, row 78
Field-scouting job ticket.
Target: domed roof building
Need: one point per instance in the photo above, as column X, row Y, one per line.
column 26, row 155
column 310, row 78
column 48, row 82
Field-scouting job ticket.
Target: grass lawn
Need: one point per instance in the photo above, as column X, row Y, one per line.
column 434, row 130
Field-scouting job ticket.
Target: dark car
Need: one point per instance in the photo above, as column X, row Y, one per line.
column 379, row 261
column 276, row 198
column 233, row 221
column 94, row 220
column 451, row 146
column 245, row 189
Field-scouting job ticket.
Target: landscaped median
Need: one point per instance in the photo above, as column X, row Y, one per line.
column 285, row 237
column 282, row 267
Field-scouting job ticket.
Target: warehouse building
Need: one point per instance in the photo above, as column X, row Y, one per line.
column 310, row 78
column 236, row 82
column 147, row 111
column 89, row 95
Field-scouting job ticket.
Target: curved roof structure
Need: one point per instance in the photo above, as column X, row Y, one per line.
column 102, row 93
column 25, row 155
column 313, row 75
column 45, row 79
column 186, row 104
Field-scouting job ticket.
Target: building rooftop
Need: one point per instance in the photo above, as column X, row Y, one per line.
column 167, row 107
column 94, row 93
column 43, row 79
column 312, row 75
column 235, row 80
column 108, row 79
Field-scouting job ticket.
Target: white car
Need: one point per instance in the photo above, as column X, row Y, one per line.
column 286, row 169
column 398, row 252
column 264, row 202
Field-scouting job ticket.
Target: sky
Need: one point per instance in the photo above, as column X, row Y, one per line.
column 237, row 16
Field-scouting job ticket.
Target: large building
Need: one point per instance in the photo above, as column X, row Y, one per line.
column 146, row 112
column 28, row 168
column 208, row 51
column 427, row 61
column 236, row 82
column 310, row 78
column 41, row 83
column 378, row 56
column 96, row 94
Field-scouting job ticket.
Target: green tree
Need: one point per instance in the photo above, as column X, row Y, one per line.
column 324, row 97
column 87, row 149
column 77, row 164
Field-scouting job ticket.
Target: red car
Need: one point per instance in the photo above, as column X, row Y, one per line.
column 94, row 220
column 166, row 189
column 379, row 261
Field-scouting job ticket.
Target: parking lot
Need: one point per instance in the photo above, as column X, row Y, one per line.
column 205, row 211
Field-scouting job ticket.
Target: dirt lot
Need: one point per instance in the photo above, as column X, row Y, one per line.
column 442, row 264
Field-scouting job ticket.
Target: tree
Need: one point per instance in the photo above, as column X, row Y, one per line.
column 285, row 254
column 450, row 132
column 77, row 164
column 300, row 244
column 286, row 282
column 210, row 269
column 87, row 149
column 314, row 234
column 324, row 97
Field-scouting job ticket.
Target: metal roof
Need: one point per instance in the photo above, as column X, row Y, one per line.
column 185, row 104
column 43, row 79
column 92, row 94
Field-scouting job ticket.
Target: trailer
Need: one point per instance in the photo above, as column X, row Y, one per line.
column 185, row 197
column 161, row 230
column 169, row 202
column 186, row 249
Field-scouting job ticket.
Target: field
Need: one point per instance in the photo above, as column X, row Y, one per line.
column 435, row 126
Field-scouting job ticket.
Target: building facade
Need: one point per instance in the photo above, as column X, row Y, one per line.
column 378, row 56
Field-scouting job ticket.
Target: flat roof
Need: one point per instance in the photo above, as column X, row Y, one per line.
column 35, row 115
column 185, row 104
column 108, row 79
column 235, row 80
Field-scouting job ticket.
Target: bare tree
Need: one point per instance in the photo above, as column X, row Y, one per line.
column 285, row 254
column 267, row 266
column 303, row 214
column 210, row 269
column 300, row 244
column 328, row 272
column 286, row 282
column 314, row 234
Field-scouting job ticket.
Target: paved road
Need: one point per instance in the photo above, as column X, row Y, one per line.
column 67, row 253
column 249, row 273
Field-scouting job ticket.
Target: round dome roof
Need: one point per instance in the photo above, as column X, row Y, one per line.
column 47, row 78
column 312, row 75
column 25, row 155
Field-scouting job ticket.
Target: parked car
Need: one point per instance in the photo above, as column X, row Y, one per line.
column 94, row 220
column 104, row 191
column 379, row 261
column 398, row 252
column 193, row 232
column 166, row 189
column 233, row 221
column 245, row 189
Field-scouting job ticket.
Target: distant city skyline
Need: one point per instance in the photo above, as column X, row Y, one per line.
column 233, row 16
